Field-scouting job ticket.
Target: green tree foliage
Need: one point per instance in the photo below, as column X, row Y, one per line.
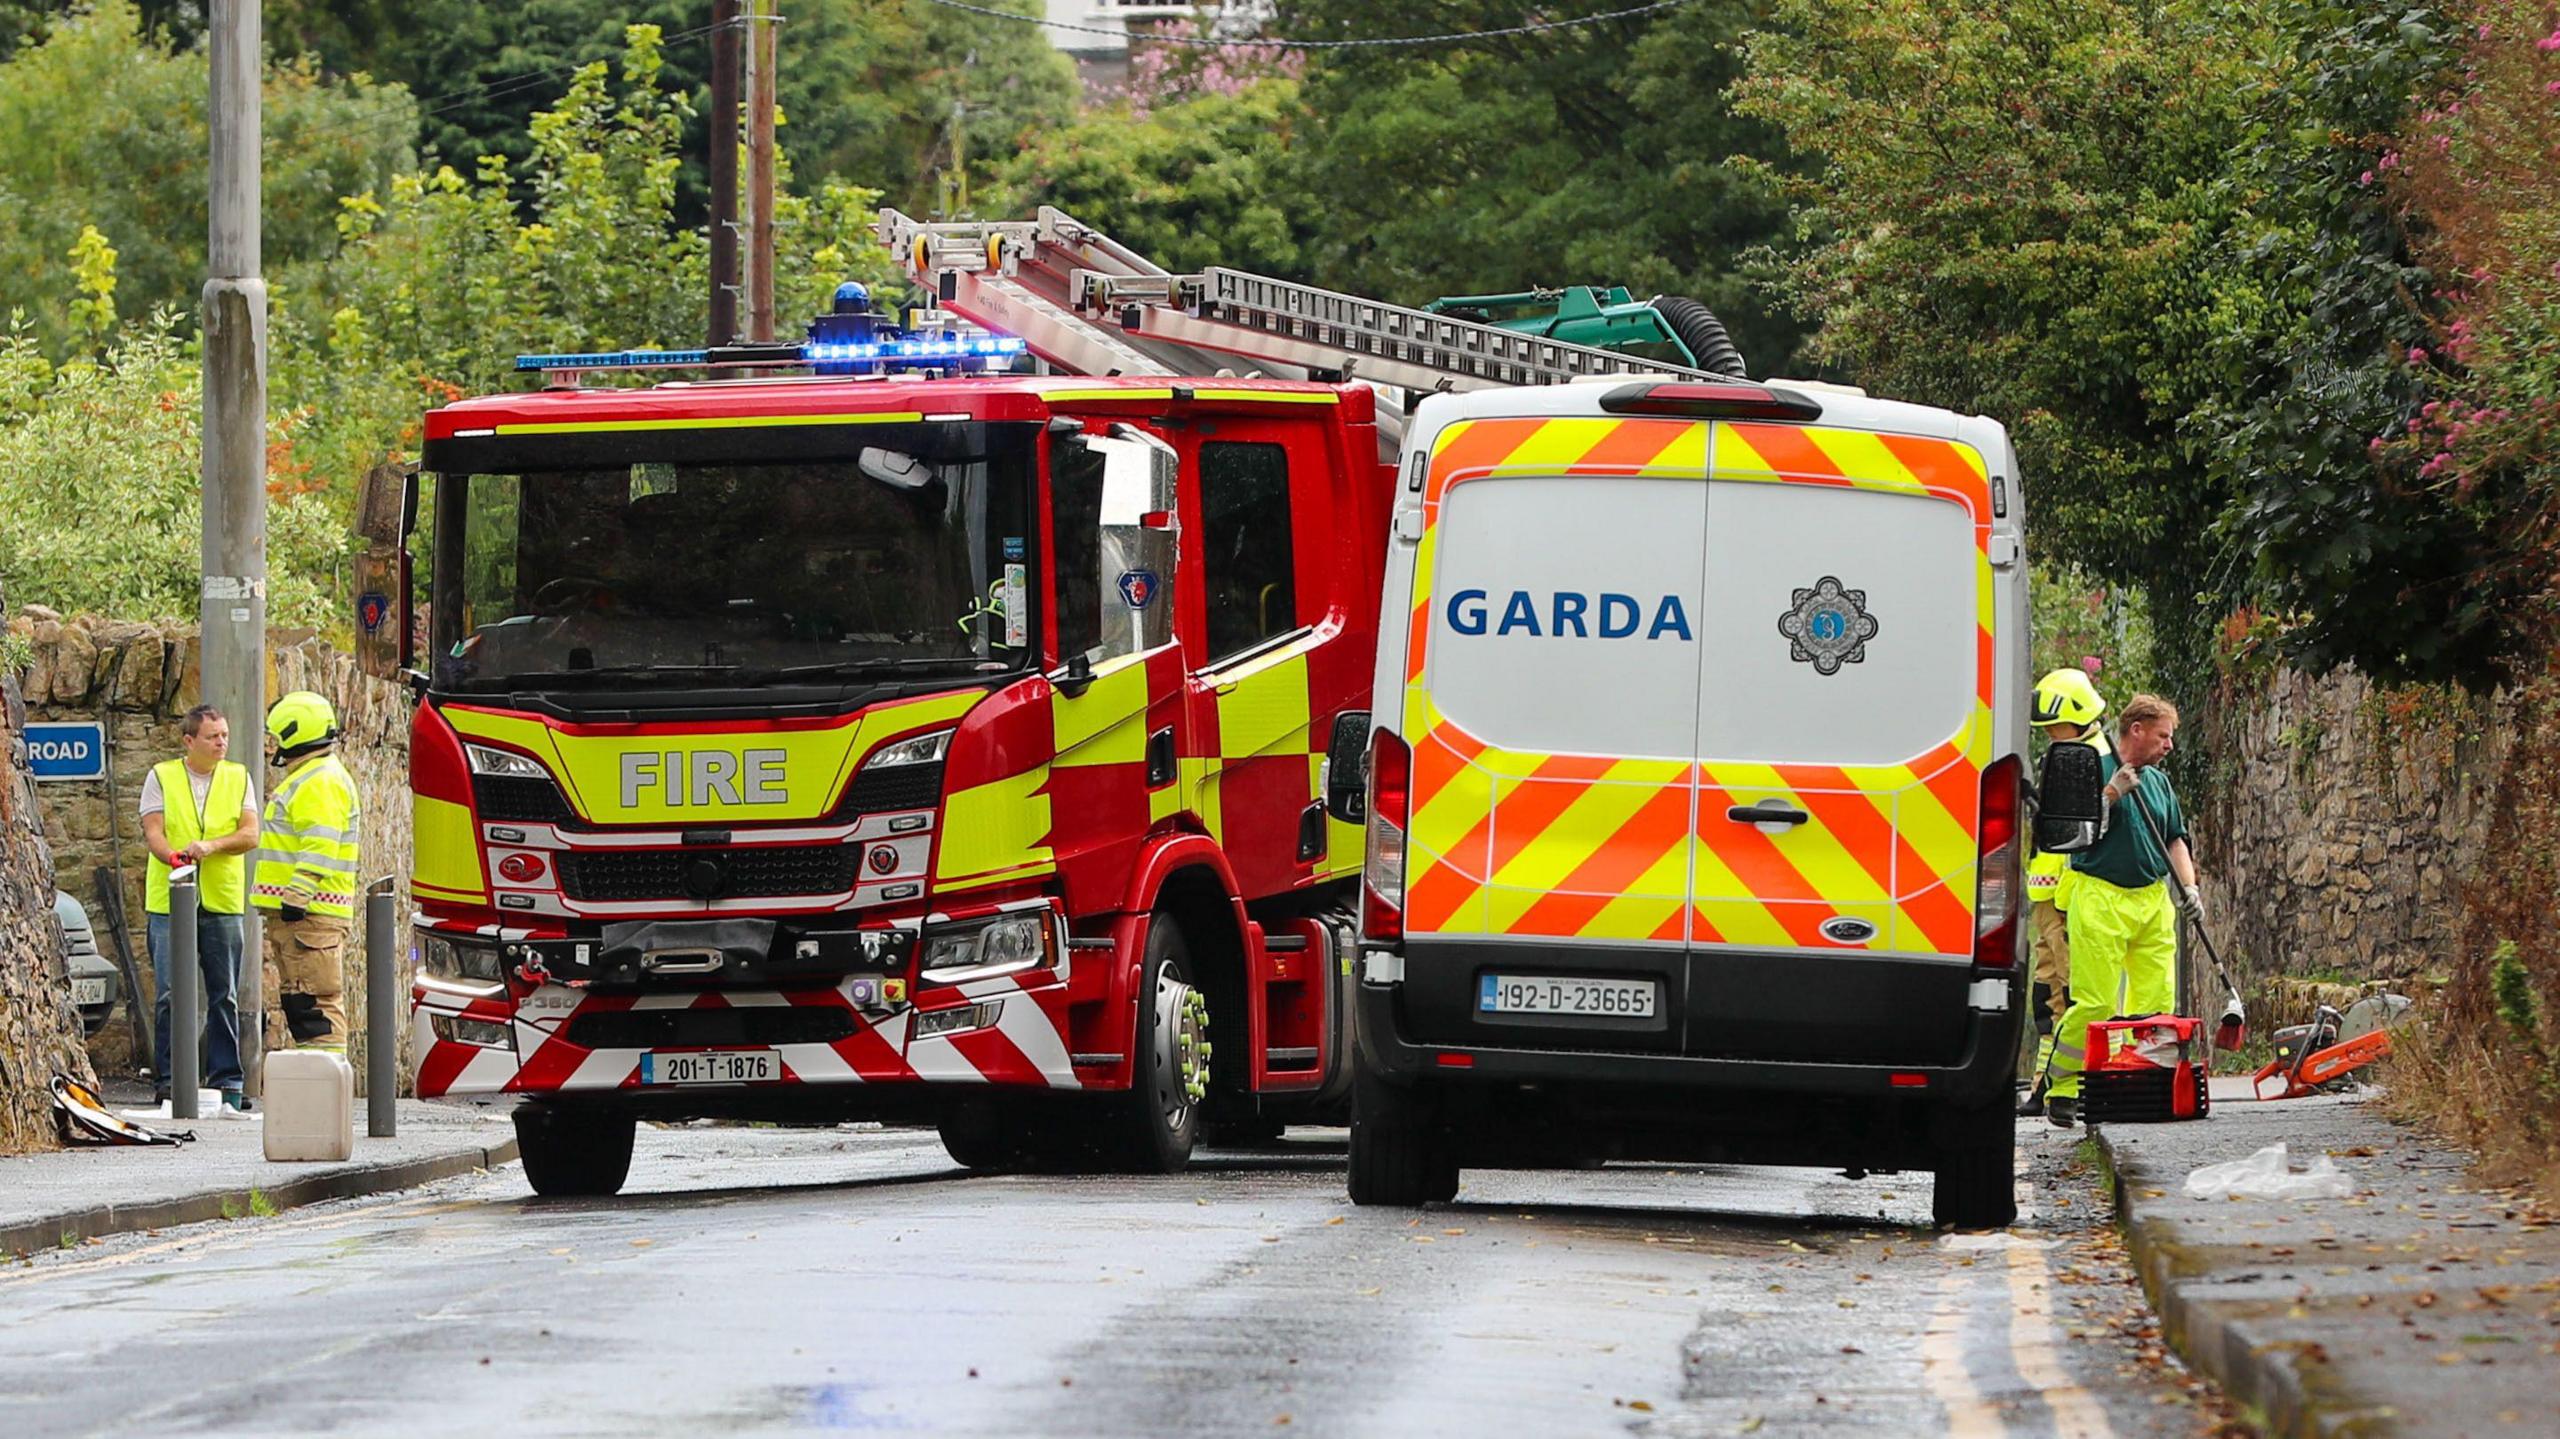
column 1211, row 180
column 446, row 278
column 1583, row 156
column 101, row 127
column 868, row 87
column 2352, row 556
column 2013, row 213
column 100, row 486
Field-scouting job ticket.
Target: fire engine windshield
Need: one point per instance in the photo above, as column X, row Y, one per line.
column 910, row 555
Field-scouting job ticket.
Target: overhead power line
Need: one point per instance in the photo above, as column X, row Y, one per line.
column 1143, row 37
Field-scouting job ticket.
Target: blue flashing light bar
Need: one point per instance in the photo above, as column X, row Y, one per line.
column 922, row 348
column 824, row 356
column 616, row 360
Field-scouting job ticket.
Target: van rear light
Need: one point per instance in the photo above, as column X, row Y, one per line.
column 1382, row 872
column 1696, row 400
column 2000, row 870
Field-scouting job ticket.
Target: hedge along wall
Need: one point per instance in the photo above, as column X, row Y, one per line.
column 138, row 679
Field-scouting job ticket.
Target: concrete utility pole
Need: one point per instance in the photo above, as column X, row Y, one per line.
column 724, row 170
column 234, row 616
column 762, row 57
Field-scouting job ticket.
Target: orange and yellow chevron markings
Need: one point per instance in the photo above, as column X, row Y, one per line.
column 1581, row 847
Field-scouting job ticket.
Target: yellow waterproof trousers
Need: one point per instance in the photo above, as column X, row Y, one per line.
column 2124, row 960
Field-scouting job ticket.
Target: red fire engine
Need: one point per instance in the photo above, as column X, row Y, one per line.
column 911, row 741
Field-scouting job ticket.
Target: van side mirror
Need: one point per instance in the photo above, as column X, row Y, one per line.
column 2070, row 798
column 1346, row 763
column 386, row 510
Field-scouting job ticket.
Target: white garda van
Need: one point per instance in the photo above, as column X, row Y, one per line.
column 1695, row 790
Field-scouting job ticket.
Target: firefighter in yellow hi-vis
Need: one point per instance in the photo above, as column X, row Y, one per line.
column 2067, row 707
column 306, row 877
column 2124, row 923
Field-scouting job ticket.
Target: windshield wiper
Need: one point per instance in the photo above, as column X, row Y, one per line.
column 858, row 669
column 600, row 673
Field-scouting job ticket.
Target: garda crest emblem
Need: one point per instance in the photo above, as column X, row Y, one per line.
column 1828, row 627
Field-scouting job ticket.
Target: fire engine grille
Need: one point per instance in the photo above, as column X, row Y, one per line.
column 669, row 1028
column 766, row 872
column 508, row 799
column 881, row 791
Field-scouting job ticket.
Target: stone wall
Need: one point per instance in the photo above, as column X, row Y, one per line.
column 39, row 1030
column 137, row 679
column 2347, row 825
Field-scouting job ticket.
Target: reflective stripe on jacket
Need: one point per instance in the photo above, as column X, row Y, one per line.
column 307, row 853
column 221, row 879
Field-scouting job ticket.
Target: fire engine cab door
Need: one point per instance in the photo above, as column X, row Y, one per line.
column 1556, row 709
column 1843, row 721
column 1259, row 521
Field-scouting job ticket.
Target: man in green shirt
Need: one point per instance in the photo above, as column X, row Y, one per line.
column 2124, row 926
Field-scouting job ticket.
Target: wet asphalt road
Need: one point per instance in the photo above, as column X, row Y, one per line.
column 819, row 1280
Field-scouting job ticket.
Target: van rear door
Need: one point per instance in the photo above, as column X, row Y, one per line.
column 1844, row 685
column 1552, row 690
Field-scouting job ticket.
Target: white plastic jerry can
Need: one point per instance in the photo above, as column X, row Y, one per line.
column 310, row 1105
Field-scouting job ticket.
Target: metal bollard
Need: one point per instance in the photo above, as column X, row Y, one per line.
column 186, row 1002
column 381, row 1018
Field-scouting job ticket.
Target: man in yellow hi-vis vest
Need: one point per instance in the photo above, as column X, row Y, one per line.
column 306, row 877
column 200, row 809
column 2067, row 707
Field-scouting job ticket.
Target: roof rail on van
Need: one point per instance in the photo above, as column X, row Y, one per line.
column 1735, row 400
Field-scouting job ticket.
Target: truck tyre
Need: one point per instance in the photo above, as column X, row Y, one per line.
column 976, row 1137
column 1977, row 1179
column 571, row 1151
column 1152, row 1128
column 1398, row 1157
column 1704, row 334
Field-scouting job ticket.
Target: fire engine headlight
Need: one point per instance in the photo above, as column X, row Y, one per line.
column 923, row 749
column 485, row 760
column 448, row 959
column 1000, row 946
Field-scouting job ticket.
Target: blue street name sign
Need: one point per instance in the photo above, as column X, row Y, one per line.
column 67, row 751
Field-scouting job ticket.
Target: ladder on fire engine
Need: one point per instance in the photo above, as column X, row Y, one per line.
column 1089, row 305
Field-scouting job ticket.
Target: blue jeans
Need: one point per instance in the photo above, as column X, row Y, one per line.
column 218, row 957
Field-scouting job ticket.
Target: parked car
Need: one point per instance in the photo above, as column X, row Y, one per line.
column 94, row 984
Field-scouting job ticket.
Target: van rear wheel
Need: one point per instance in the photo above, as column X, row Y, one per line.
column 1398, row 1156
column 1977, row 1180
column 572, row 1151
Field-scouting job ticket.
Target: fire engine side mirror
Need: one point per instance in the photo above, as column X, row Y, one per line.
column 1140, row 543
column 1346, row 761
column 387, row 509
column 2070, row 798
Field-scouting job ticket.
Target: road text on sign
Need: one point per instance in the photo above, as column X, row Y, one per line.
column 71, row 751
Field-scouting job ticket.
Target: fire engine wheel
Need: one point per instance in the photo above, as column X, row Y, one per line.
column 574, row 1150
column 1159, row 1119
column 976, row 1137
column 1977, row 1182
column 1704, row 334
column 1399, row 1157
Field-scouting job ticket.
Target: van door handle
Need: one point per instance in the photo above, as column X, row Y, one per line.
column 1767, row 811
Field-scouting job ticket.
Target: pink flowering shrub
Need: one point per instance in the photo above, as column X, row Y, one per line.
column 2479, row 181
